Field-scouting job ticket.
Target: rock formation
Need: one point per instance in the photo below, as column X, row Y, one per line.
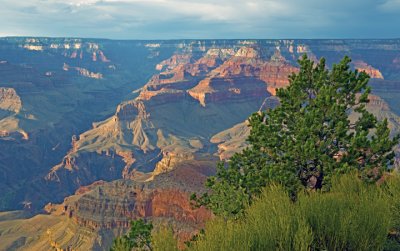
column 371, row 71
column 9, row 100
column 100, row 211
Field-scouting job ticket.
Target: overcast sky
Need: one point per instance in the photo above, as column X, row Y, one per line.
column 170, row 19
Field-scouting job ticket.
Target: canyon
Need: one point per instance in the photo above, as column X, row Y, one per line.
column 94, row 133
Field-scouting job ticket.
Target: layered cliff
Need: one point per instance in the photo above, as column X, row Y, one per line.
column 371, row 71
column 197, row 93
column 10, row 107
column 165, row 125
column 113, row 205
column 90, row 219
column 51, row 94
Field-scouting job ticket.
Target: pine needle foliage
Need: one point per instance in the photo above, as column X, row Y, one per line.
column 306, row 140
column 138, row 237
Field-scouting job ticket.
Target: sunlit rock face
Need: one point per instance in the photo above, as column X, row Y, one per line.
column 371, row 71
column 163, row 199
column 9, row 100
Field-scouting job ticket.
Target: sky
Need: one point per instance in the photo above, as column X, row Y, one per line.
column 201, row 19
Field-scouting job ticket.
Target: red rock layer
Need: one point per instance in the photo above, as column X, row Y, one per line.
column 245, row 68
column 371, row 71
column 165, row 198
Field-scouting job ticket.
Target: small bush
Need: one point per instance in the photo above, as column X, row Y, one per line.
column 353, row 216
column 163, row 240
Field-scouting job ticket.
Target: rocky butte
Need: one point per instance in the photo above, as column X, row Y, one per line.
column 120, row 130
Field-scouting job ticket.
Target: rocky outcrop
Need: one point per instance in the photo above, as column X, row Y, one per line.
column 174, row 61
column 371, row 71
column 9, row 100
column 175, row 151
column 380, row 108
column 123, row 140
column 81, row 169
column 165, row 94
column 90, row 219
column 74, row 48
column 33, row 47
column 276, row 72
column 223, row 89
column 138, row 132
column 163, row 199
column 247, row 68
column 10, row 107
column 232, row 140
column 83, row 72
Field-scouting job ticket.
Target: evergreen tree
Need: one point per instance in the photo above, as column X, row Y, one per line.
column 138, row 238
column 306, row 140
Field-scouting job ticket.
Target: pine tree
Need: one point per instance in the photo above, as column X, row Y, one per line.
column 306, row 140
column 138, row 238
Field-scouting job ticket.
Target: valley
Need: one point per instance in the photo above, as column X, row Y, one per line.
column 94, row 133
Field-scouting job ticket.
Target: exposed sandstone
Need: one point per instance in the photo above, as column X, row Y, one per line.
column 83, row 72
column 247, row 66
column 219, row 75
column 103, row 57
column 222, row 89
column 371, row 71
column 232, row 140
column 247, row 52
column 10, row 129
column 86, row 73
column 174, row 61
column 165, row 198
column 170, row 160
column 199, row 91
column 276, row 75
column 33, row 47
column 9, row 100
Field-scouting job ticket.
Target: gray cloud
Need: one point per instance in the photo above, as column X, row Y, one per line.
column 168, row 19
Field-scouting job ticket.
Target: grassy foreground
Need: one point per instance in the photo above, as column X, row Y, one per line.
column 352, row 216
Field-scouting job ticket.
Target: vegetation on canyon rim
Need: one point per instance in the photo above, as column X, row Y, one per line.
column 138, row 237
column 309, row 178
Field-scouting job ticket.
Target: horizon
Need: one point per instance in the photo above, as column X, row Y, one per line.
column 197, row 39
column 194, row 19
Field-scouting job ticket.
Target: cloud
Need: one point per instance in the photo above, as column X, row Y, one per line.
column 390, row 6
column 168, row 19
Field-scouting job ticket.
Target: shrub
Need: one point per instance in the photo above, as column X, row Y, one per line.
column 163, row 240
column 353, row 216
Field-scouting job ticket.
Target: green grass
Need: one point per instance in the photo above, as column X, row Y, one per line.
column 352, row 216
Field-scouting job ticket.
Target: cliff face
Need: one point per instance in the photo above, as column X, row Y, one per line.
column 52, row 89
column 73, row 48
column 9, row 100
column 83, row 72
column 371, row 71
column 10, row 107
column 197, row 93
column 165, row 125
column 164, row 199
